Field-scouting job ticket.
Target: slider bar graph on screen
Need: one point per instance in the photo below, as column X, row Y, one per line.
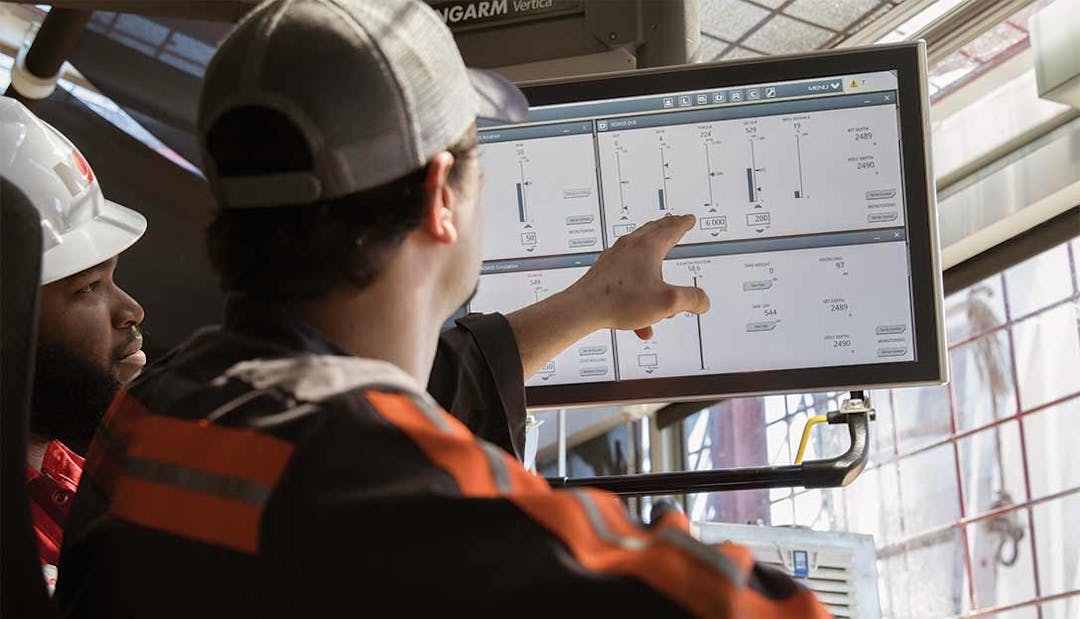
column 801, row 191
column 709, row 177
column 700, row 343
column 622, row 181
column 662, row 192
column 523, row 213
column 751, row 175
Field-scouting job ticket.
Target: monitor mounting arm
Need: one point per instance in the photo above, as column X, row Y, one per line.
column 855, row 412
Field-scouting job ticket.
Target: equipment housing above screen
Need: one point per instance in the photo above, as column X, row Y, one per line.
column 816, row 232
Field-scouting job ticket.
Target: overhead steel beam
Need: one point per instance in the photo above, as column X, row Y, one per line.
column 885, row 24
column 215, row 10
column 963, row 24
column 944, row 35
column 1017, row 249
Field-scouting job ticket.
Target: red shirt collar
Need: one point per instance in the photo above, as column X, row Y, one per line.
column 51, row 491
column 62, row 465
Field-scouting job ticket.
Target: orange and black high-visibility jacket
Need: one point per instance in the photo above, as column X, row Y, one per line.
column 264, row 474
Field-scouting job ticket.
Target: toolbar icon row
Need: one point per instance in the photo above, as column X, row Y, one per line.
column 718, row 97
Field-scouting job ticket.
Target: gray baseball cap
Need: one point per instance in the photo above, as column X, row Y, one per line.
column 376, row 87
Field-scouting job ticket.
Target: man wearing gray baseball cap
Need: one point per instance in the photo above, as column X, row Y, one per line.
column 291, row 463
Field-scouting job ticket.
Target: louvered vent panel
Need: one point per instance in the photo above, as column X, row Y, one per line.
column 840, row 568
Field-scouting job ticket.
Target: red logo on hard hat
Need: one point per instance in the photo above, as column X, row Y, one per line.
column 82, row 166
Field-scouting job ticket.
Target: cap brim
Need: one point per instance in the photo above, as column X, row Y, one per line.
column 497, row 98
column 113, row 230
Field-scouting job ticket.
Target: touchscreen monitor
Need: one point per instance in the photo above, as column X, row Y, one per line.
column 815, row 235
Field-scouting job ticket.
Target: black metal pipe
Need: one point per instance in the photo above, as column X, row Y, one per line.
column 691, row 481
column 675, row 412
column 55, row 40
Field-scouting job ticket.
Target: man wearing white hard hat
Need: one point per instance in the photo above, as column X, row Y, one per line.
column 290, row 464
column 89, row 340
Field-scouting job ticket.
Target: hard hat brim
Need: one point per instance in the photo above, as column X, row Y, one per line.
column 112, row 231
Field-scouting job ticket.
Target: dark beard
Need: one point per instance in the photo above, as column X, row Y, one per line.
column 70, row 397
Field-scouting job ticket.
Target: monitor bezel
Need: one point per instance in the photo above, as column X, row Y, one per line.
column 908, row 60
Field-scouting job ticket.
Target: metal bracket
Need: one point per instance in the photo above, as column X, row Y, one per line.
column 855, row 412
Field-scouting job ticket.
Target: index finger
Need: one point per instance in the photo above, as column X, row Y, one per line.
column 667, row 231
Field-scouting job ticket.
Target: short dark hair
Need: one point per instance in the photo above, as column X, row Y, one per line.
column 302, row 252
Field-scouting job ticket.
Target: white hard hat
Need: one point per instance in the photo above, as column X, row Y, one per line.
column 79, row 227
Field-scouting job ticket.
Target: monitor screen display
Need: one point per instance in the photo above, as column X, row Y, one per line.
column 803, row 239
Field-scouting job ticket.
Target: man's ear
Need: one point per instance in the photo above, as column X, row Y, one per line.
column 439, row 199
